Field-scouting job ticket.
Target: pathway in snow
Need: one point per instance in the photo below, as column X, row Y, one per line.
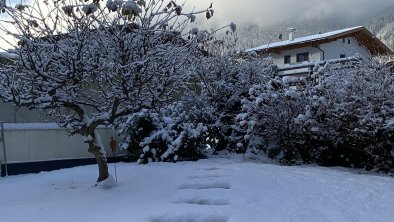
column 204, row 180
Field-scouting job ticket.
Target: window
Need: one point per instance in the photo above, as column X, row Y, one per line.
column 344, row 41
column 342, row 56
column 287, row 59
column 303, row 57
column 348, row 41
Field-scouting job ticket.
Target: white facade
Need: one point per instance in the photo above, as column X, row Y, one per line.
column 346, row 46
column 279, row 58
column 342, row 48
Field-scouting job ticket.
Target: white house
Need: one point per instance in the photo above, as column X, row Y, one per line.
column 296, row 56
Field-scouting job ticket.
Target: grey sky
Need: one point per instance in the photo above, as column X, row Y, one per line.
column 267, row 12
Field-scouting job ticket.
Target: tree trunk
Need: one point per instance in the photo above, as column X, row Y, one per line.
column 100, row 159
column 102, row 164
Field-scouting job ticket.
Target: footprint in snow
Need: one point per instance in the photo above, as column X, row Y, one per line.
column 190, row 218
column 206, row 176
column 210, row 168
column 201, row 186
column 203, row 201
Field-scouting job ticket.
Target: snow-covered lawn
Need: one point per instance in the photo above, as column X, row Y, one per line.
column 216, row 190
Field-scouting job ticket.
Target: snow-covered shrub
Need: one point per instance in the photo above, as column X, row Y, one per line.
column 223, row 81
column 138, row 126
column 343, row 118
column 268, row 119
column 348, row 116
column 164, row 135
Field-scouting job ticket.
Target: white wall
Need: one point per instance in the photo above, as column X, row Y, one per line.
column 28, row 144
column 314, row 55
column 332, row 50
column 28, row 139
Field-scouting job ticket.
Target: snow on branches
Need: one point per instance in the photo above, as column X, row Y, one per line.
column 94, row 62
column 88, row 64
column 163, row 135
column 340, row 118
column 224, row 82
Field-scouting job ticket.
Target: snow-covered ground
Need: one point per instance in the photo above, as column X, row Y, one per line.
column 216, row 190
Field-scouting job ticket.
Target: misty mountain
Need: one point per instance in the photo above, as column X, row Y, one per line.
column 383, row 27
column 253, row 35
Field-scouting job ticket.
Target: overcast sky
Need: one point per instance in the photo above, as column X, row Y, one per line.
column 271, row 12
column 267, row 12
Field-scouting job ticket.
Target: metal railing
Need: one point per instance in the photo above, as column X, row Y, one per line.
column 310, row 65
column 2, row 140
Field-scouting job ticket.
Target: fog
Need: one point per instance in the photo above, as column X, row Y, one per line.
column 264, row 13
column 271, row 12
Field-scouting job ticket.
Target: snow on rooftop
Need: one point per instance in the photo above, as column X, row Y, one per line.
column 303, row 39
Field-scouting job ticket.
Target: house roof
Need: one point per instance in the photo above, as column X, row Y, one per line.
column 363, row 36
column 6, row 57
column 7, row 54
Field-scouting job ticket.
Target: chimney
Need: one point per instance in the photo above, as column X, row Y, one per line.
column 291, row 34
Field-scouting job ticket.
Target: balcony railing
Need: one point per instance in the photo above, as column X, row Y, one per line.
column 306, row 69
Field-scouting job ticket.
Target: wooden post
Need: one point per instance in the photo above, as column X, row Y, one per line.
column 2, row 139
column 113, row 144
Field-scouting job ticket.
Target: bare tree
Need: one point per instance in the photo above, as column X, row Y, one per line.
column 88, row 63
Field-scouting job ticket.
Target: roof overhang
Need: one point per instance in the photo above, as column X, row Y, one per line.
column 363, row 36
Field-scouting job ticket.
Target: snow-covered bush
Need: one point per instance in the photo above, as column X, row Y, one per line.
column 349, row 111
column 343, row 120
column 222, row 82
column 164, row 135
column 268, row 119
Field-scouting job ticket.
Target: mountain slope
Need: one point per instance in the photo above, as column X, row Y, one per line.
column 383, row 27
column 253, row 35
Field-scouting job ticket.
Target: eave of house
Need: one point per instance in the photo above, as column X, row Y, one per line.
column 363, row 36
